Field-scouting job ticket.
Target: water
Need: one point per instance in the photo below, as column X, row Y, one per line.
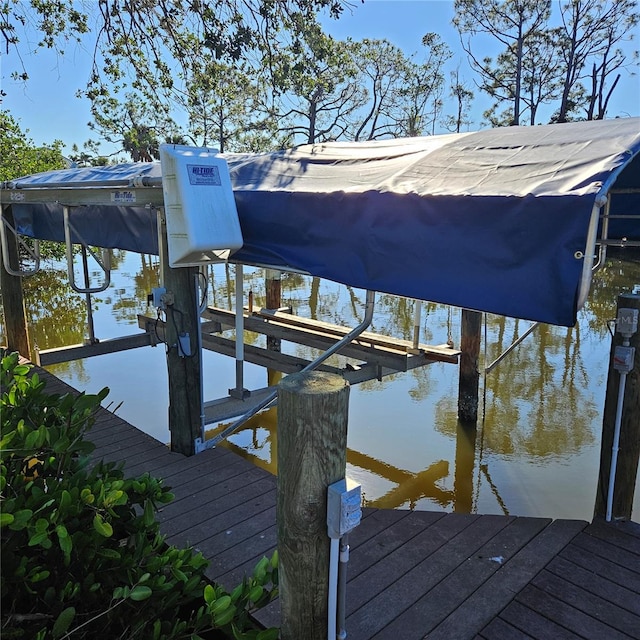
column 535, row 451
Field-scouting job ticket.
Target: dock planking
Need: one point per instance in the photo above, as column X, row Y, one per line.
column 412, row 574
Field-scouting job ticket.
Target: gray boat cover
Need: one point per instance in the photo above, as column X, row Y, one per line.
column 498, row 220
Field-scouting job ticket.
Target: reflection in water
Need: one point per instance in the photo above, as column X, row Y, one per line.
column 536, row 447
column 257, row 441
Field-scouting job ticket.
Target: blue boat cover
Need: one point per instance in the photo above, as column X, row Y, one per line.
column 498, row 220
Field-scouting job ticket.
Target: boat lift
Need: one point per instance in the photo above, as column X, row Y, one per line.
column 382, row 243
column 370, row 356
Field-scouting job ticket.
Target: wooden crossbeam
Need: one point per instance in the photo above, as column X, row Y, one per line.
column 369, row 347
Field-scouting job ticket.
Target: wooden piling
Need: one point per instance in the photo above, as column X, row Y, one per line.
column 629, row 443
column 471, row 326
column 15, row 319
column 184, row 365
column 312, row 454
column 273, row 286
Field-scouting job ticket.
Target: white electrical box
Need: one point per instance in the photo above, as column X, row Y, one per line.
column 344, row 510
column 200, row 209
column 627, row 322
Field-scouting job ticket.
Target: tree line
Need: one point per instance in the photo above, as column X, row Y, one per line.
column 249, row 76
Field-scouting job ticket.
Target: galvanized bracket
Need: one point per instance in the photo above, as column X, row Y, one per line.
column 103, row 261
column 5, row 230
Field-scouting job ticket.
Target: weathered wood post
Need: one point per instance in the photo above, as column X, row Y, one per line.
column 471, row 326
column 312, row 454
column 15, row 321
column 183, row 354
column 273, row 287
column 629, row 442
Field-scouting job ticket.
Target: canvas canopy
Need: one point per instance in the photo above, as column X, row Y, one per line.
column 502, row 220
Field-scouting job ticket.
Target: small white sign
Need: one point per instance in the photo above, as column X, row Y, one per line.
column 204, row 174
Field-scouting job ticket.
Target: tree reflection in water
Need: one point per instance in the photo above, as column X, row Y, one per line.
column 536, row 446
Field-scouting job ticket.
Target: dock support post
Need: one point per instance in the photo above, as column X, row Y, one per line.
column 312, row 454
column 273, row 287
column 626, row 470
column 469, row 373
column 15, row 319
column 183, row 355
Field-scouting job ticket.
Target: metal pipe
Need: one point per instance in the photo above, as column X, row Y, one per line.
column 352, row 335
column 199, row 343
column 332, row 604
column 602, row 248
column 105, row 265
column 85, row 271
column 342, row 588
column 239, row 389
column 35, row 253
column 589, row 251
column 135, row 182
column 509, row 349
column 616, row 445
column 416, row 324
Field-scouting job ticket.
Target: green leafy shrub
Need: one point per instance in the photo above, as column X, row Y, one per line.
column 82, row 554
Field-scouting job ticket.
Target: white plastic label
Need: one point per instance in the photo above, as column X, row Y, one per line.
column 623, row 358
column 204, row 175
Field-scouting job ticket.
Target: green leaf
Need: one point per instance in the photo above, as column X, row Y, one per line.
column 237, row 592
column 209, row 594
column 243, row 635
column 30, row 442
column 63, row 622
column 220, row 605
column 256, row 593
column 192, row 583
column 272, row 633
column 39, row 576
column 6, row 519
column 41, row 539
column 179, row 575
column 140, row 592
column 6, row 440
column 61, row 444
column 65, row 499
column 225, row 617
column 41, row 525
column 102, row 527
column 22, row 370
column 115, row 498
column 261, row 568
column 64, row 540
column 149, row 513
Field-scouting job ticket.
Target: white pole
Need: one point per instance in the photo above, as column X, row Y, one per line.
column 239, row 329
column 616, row 445
column 332, row 616
column 416, row 324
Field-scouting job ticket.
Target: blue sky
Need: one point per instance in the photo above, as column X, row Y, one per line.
column 48, row 108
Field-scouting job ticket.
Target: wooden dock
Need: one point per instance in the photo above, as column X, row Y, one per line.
column 412, row 574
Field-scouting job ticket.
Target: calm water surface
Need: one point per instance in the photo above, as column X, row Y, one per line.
column 536, row 448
